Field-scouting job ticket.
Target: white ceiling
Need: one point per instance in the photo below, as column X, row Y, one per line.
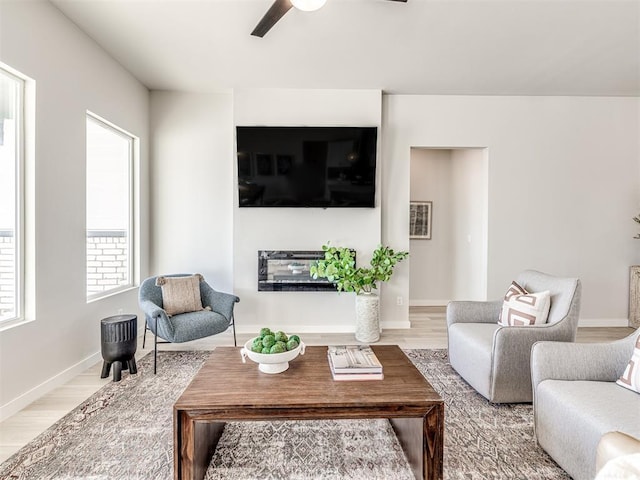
column 471, row 47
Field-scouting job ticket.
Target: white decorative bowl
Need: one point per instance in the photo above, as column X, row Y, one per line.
column 271, row 362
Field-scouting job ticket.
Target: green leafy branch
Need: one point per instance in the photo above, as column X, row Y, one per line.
column 339, row 267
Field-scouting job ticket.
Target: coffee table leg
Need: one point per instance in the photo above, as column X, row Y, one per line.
column 194, row 445
column 422, row 441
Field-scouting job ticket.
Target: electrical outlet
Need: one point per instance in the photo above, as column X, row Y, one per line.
column 399, row 301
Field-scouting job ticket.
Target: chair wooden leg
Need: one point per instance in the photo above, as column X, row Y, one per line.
column 106, row 368
column 117, row 371
column 133, row 368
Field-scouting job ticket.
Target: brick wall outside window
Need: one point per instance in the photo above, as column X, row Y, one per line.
column 107, row 265
column 107, row 261
column 7, row 273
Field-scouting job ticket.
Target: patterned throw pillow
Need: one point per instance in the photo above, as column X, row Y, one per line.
column 526, row 309
column 180, row 294
column 631, row 377
column 514, row 289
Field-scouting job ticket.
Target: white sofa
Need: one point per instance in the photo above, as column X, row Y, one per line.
column 576, row 400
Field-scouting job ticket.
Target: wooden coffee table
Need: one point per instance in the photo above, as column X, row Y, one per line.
column 225, row 389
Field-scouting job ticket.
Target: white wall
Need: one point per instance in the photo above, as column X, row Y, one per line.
column 563, row 185
column 469, row 218
column 192, row 185
column 543, row 159
column 72, row 75
column 197, row 225
column 303, row 229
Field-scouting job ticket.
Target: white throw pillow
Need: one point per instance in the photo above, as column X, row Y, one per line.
column 514, row 289
column 631, row 377
column 526, row 309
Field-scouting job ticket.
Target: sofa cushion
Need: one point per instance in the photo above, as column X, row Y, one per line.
column 526, row 309
column 180, row 294
column 572, row 416
column 195, row 325
column 631, row 377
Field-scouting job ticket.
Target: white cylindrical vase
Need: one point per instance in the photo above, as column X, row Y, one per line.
column 367, row 318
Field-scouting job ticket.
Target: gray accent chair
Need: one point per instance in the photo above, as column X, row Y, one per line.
column 576, row 400
column 495, row 360
column 185, row 326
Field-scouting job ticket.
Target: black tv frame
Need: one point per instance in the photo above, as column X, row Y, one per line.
column 361, row 192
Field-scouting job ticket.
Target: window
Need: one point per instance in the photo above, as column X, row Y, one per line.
column 11, row 196
column 110, row 155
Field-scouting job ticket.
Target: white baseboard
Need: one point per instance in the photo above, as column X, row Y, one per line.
column 252, row 329
column 18, row 403
column 603, row 322
column 428, row 303
column 396, row 324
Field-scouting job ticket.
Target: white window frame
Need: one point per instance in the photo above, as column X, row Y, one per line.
column 19, row 237
column 131, row 255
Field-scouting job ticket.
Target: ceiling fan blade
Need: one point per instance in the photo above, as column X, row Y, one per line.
column 275, row 13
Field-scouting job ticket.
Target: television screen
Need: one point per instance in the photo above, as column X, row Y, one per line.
column 306, row 166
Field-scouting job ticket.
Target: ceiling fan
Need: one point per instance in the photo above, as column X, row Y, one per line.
column 280, row 7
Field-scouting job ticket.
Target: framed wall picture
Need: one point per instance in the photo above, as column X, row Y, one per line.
column 420, row 220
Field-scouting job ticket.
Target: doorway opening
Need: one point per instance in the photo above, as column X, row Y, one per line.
column 451, row 264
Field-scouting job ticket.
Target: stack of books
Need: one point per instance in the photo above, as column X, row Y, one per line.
column 354, row 362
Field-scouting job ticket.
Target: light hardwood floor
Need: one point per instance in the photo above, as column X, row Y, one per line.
column 428, row 330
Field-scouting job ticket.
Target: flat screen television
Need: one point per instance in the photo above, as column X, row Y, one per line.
column 322, row 167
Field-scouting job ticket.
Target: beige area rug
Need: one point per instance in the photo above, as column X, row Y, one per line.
column 124, row 431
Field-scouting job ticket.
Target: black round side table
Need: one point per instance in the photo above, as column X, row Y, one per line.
column 119, row 336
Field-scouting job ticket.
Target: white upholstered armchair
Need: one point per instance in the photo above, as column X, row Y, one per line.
column 495, row 359
column 577, row 400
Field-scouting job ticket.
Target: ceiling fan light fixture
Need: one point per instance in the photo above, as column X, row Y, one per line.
column 308, row 5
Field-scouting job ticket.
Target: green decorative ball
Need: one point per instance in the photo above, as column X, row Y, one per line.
column 281, row 337
column 265, row 350
column 277, row 348
column 292, row 344
column 265, row 331
column 268, row 341
column 295, row 337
